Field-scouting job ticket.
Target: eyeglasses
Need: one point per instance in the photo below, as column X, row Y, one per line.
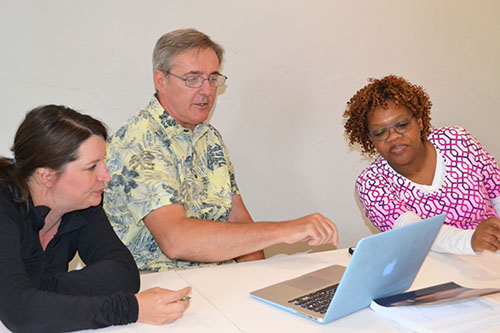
column 196, row 81
column 382, row 133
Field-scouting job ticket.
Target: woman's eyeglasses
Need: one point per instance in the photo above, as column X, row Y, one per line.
column 382, row 133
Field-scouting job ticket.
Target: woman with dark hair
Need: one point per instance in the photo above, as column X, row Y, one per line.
column 50, row 195
column 421, row 172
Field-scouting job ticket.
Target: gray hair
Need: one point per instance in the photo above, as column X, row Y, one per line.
column 174, row 42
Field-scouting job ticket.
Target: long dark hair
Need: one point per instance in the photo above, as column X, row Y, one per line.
column 49, row 136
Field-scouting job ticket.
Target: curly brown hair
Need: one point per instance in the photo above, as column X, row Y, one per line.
column 376, row 94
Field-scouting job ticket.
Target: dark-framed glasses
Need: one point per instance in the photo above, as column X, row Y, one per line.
column 382, row 133
column 196, row 81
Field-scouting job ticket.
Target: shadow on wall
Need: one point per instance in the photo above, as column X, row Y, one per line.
column 366, row 221
column 303, row 247
column 295, row 248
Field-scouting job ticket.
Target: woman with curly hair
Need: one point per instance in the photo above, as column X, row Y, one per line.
column 420, row 172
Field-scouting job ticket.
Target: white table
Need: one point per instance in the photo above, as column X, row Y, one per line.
column 221, row 302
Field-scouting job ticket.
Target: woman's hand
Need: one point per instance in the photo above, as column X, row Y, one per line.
column 160, row 306
column 487, row 235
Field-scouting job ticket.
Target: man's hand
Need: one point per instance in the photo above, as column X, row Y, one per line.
column 487, row 235
column 189, row 239
column 315, row 229
column 160, row 306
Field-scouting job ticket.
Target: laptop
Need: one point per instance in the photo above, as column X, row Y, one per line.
column 382, row 265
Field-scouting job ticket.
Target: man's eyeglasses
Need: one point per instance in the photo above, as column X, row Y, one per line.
column 196, row 81
column 382, row 133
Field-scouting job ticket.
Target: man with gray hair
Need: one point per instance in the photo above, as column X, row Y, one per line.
column 173, row 198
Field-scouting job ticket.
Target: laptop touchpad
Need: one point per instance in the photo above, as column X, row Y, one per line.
column 309, row 282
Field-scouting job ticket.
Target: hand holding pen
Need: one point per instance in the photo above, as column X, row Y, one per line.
column 160, row 306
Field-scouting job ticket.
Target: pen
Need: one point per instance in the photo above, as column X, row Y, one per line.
column 185, row 298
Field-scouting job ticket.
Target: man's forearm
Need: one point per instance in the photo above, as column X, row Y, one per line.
column 211, row 241
column 198, row 240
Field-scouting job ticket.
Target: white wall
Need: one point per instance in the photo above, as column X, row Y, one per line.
column 292, row 65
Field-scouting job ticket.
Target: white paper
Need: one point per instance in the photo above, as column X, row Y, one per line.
column 461, row 316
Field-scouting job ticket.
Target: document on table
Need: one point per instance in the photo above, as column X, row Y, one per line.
column 460, row 316
column 441, row 293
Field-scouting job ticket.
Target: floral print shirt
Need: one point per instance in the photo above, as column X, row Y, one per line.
column 153, row 162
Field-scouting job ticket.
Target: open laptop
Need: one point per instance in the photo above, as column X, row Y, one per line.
column 382, row 265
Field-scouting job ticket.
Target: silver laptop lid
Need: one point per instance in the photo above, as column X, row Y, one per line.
column 383, row 264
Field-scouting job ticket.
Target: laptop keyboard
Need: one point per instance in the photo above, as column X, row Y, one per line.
column 317, row 301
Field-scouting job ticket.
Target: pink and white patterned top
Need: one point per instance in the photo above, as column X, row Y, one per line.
column 472, row 179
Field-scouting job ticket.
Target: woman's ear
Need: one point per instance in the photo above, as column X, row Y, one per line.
column 46, row 176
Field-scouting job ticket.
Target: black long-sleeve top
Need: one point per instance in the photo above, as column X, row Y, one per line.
column 38, row 294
